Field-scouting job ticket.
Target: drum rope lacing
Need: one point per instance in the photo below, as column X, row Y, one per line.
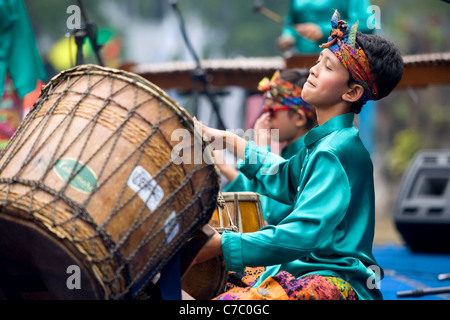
column 70, row 224
column 223, row 207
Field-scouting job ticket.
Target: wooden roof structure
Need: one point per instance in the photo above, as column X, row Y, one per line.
column 421, row 70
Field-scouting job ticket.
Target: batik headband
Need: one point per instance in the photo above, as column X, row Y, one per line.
column 285, row 93
column 342, row 42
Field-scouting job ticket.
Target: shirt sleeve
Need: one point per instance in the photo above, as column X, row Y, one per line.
column 321, row 206
column 271, row 175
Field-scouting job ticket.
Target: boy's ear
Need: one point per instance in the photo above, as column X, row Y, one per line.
column 354, row 93
column 301, row 119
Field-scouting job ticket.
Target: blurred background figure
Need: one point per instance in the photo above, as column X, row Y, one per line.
column 22, row 72
column 308, row 26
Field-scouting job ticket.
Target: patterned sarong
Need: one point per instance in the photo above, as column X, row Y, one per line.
column 284, row 286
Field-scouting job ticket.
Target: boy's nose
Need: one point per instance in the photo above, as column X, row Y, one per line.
column 313, row 70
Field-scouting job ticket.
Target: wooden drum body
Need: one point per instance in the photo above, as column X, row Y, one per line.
column 90, row 190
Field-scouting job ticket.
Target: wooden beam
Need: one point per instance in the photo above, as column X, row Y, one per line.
column 420, row 71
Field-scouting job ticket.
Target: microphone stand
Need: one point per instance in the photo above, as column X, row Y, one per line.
column 426, row 291
column 198, row 74
column 86, row 31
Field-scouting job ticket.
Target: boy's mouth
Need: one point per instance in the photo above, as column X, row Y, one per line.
column 310, row 83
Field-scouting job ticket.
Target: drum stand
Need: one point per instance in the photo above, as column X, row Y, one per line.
column 198, row 74
column 86, row 30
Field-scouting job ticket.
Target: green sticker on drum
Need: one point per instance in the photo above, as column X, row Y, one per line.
column 84, row 180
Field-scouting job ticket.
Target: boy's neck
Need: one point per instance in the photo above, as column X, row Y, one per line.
column 325, row 114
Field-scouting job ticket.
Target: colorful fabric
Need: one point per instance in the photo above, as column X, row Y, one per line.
column 342, row 42
column 286, row 93
column 284, row 286
column 244, row 279
column 10, row 112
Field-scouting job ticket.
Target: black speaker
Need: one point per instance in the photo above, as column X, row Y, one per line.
column 422, row 208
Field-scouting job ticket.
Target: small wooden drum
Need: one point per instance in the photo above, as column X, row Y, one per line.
column 93, row 200
column 237, row 212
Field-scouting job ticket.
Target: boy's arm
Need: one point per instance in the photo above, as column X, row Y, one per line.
column 275, row 177
column 270, row 174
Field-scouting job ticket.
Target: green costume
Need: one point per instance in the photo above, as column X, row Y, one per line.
column 19, row 56
column 330, row 230
column 273, row 211
column 319, row 12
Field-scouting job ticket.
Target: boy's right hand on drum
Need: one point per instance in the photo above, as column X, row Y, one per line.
column 221, row 139
column 214, row 136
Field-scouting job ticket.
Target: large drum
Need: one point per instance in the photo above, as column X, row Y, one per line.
column 236, row 212
column 93, row 200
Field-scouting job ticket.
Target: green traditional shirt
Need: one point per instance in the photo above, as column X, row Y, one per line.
column 273, row 211
column 19, row 56
column 330, row 230
column 320, row 12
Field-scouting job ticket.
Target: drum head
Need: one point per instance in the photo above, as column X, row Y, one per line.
column 40, row 267
column 206, row 280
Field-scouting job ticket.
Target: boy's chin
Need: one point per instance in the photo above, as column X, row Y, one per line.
column 308, row 98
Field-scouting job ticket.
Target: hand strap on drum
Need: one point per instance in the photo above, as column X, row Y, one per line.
column 223, row 206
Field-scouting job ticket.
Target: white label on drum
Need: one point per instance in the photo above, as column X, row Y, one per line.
column 141, row 182
column 171, row 227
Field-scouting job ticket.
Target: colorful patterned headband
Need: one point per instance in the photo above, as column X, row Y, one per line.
column 286, row 93
column 342, row 42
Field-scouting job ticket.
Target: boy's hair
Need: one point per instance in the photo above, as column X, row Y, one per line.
column 386, row 62
column 295, row 76
column 298, row 77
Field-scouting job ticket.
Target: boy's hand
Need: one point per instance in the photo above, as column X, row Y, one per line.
column 215, row 136
column 221, row 139
column 262, row 130
column 310, row 31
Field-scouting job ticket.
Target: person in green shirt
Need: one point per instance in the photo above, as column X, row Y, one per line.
column 286, row 112
column 323, row 248
column 308, row 22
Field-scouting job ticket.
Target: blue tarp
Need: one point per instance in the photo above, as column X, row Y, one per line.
column 406, row 270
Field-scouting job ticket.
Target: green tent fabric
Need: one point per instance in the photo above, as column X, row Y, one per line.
column 19, row 55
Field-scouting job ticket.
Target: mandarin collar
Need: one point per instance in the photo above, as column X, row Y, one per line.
column 339, row 122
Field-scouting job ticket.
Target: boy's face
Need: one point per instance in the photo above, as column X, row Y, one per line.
column 327, row 81
column 287, row 122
